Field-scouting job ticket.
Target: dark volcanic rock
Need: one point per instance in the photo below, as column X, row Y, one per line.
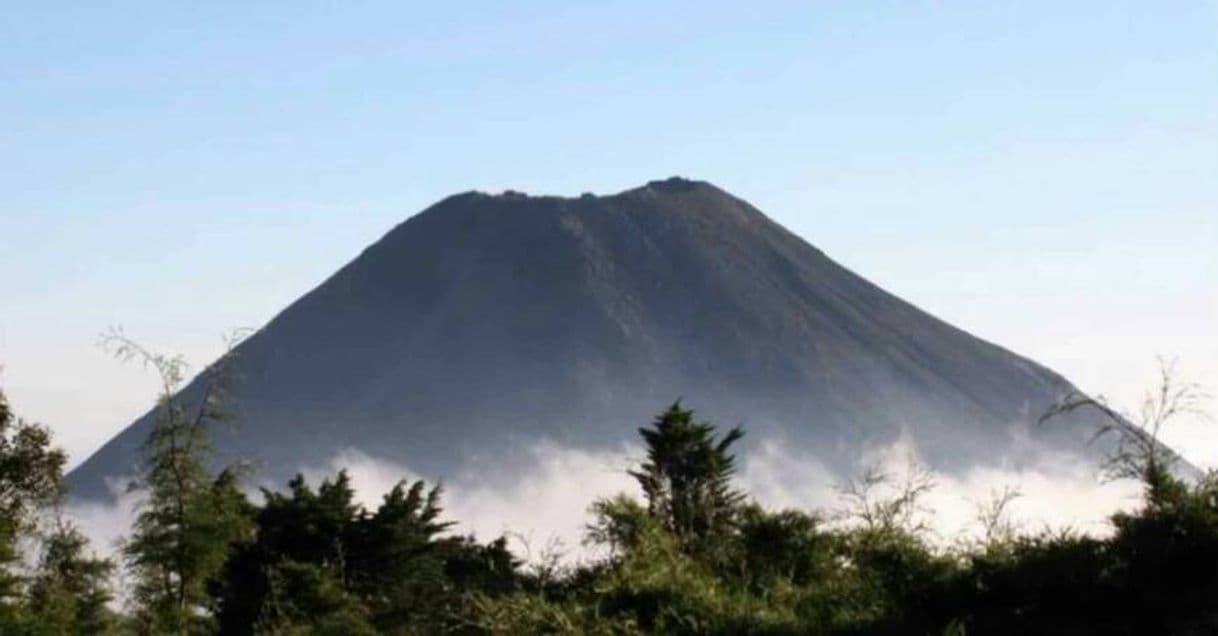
column 488, row 321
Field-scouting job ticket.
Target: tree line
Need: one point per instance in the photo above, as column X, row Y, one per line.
column 695, row 555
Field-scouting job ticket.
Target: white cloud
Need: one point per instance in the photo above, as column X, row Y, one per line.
column 1058, row 490
column 541, row 499
column 107, row 523
column 544, row 496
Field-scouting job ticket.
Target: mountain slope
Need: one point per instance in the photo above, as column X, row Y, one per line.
column 491, row 321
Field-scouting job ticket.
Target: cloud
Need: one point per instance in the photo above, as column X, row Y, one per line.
column 543, row 496
column 106, row 523
column 540, row 498
column 1058, row 490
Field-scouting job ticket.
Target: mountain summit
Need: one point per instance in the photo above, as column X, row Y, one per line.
column 489, row 321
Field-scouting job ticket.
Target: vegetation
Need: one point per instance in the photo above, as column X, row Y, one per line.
column 67, row 591
column 694, row 556
column 188, row 518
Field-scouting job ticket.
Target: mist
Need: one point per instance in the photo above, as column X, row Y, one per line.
column 540, row 498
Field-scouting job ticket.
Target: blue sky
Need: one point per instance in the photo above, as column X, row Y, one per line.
column 1043, row 174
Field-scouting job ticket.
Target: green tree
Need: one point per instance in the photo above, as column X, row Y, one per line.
column 31, row 478
column 687, row 476
column 1165, row 555
column 397, row 561
column 307, row 598
column 188, row 518
column 300, row 544
column 320, row 559
column 783, row 546
column 70, row 590
column 618, row 523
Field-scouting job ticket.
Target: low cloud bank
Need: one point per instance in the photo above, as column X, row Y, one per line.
column 1059, row 490
column 539, row 496
column 106, row 523
column 542, row 501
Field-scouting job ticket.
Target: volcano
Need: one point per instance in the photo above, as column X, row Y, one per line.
column 488, row 322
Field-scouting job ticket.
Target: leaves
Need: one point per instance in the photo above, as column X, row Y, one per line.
column 687, row 476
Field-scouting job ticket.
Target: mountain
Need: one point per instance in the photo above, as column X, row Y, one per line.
column 494, row 321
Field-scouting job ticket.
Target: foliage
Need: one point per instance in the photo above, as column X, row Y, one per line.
column 319, row 560
column 70, row 591
column 31, row 473
column 188, row 519
column 687, row 478
column 618, row 524
column 695, row 557
column 67, row 592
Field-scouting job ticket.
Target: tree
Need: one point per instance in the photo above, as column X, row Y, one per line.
column 895, row 575
column 294, row 572
column 307, row 598
column 687, row 476
column 882, row 505
column 320, row 559
column 397, row 561
column 1139, row 453
column 31, row 478
column 787, row 545
column 618, row 524
column 188, row 518
column 70, row 590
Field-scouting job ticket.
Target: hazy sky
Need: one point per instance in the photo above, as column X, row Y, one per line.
column 1043, row 174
